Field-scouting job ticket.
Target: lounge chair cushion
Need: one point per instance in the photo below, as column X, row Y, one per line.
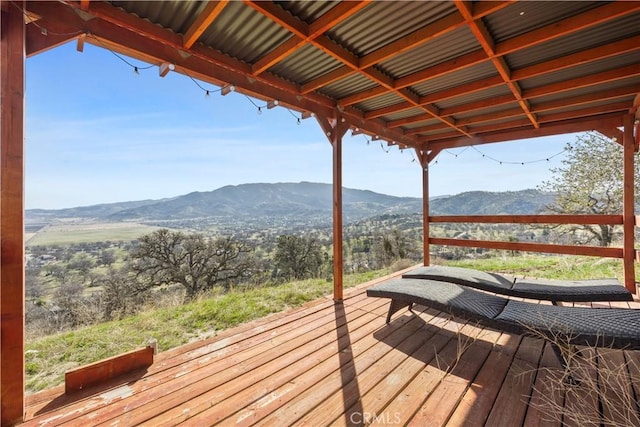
column 613, row 327
column 550, row 290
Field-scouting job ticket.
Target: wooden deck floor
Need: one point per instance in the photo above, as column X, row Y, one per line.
column 333, row 363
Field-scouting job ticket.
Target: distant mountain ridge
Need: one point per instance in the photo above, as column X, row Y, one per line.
column 297, row 200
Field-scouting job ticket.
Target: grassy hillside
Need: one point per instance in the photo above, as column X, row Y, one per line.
column 47, row 358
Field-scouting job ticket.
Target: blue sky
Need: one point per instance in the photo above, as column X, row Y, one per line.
column 98, row 133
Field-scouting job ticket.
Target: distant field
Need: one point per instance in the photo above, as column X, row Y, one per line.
column 66, row 234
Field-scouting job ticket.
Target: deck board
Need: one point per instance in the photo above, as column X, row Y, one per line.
column 329, row 363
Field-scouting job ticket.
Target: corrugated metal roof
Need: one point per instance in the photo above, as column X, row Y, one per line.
column 173, row 15
column 525, row 16
column 403, row 114
column 580, row 70
column 544, row 114
column 425, row 122
column 305, row 64
column 379, row 102
column 488, row 93
column 307, row 11
column 604, row 87
column 355, row 83
column 593, row 37
column 456, row 78
column 487, row 110
column 244, row 33
column 378, row 24
column 455, row 45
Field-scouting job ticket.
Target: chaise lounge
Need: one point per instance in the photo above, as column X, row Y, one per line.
column 596, row 327
column 540, row 289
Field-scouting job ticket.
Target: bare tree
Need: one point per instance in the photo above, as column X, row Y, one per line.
column 197, row 263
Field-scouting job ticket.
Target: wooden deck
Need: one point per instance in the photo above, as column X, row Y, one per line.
column 331, row 363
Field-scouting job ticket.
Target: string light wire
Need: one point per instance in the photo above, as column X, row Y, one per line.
column 44, row 31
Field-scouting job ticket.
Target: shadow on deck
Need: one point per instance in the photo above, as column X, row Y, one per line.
column 338, row 363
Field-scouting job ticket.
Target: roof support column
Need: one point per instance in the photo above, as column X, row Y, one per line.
column 424, row 164
column 628, row 205
column 335, row 128
column 12, row 82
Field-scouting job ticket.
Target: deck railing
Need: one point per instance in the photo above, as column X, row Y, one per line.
column 531, row 219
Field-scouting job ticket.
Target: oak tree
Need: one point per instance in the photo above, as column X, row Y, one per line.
column 194, row 261
column 589, row 181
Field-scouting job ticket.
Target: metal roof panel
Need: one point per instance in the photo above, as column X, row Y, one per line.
column 606, row 33
column 581, row 70
column 244, row 33
column 377, row 25
column 523, row 17
column 455, row 78
column 453, row 45
column 305, row 64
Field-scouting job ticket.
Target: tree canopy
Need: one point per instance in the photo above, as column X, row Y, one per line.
column 194, row 261
column 298, row 257
column 590, row 181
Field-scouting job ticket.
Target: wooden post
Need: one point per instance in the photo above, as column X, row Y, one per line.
column 338, row 259
column 424, row 165
column 628, row 205
column 12, row 63
column 334, row 129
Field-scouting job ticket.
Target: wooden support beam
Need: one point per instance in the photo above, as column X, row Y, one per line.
column 628, row 205
column 12, row 309
column 569, row 126
column 334, row 129
column 423, row 158
column 202, row 22
column 80, row 42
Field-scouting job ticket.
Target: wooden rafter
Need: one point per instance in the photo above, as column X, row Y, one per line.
column 316, row 29
column 568, row 26
column 513, row 132
column 488, row 45
column 347, row 58
column 529, row 94
column 210, row 12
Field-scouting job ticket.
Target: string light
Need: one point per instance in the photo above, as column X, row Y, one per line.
column 271, row 104
column 224, row 90
column 136, row 68
column 44, row 31
column 485, row 156
column 298, row 119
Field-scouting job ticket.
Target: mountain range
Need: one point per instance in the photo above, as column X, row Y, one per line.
column 296, row 200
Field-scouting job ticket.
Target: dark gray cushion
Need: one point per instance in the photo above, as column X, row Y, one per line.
column 551, row 290
column 611, row 327
column 441, row 295
column 572, row 290
column 602, row 327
